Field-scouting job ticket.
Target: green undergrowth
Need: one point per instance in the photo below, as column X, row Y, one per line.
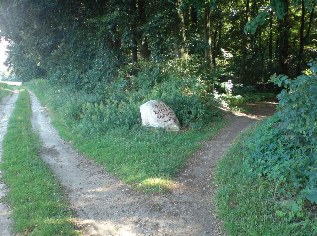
column 4, row 90
column 38, row 204
column 250, row 205
column 143, row 157
column 268, row 181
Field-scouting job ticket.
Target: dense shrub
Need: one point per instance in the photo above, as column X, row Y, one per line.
column 284, row 148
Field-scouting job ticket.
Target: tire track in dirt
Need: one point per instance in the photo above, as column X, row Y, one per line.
column 106, row 206
column 6, row 107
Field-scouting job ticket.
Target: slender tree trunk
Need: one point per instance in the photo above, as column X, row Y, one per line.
column 214, row 46
column 284, row 29
column 143, row 42
column 244, row 41
column 311, row 18
column 301, row 37
column 207, row 35
column 271, row 38
column 185, row 30
column 219, row 43
column 261, row 52
column 134, row 41
column 193, row 17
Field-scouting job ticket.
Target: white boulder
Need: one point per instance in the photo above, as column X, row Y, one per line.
column 157, row 114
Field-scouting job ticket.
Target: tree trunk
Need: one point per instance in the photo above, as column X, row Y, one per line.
column 214, row 46
column 244, row 41
column 134, row 33
column 143, row 42
column 185, row 30
column 193, row 17
column 271, row 38
column 207, row 35
column 219, row 43
column 311, row 18
column 301, row 38
column 284, row 29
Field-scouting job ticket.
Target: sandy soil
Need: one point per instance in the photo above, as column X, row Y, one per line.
column 106, row 206
column 6, row 108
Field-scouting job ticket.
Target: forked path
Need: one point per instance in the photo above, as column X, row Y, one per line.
column 106, row 206
column 6, row 108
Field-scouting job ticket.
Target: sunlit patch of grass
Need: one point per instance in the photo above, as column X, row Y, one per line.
column 157, row 185
column 38, row 204
column 141, row 155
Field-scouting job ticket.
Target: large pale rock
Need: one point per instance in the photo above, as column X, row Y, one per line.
column 158, row 114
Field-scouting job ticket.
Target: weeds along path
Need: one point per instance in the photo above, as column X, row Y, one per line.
column 106, row 206
column 6, row 107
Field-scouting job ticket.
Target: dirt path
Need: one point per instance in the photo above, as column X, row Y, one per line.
column 6, row 108
column 106, row 206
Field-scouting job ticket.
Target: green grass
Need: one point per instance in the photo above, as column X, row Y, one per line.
column 247, row 205
column 143, row 157
column 4, row 90
column 38, row 204
column 146, row 158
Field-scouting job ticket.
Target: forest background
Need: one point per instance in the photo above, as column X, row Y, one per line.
column 88, row 44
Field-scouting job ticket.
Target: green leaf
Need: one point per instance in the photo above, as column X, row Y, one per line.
column 259, row 20
column 312, row 196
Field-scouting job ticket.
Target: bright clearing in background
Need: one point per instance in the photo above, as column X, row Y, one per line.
column 3, row 55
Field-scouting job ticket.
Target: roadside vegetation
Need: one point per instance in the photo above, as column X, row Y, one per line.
column 107, row 127
column 268, row 181
column 94, row 65
column 35, row 197
column 4, row 90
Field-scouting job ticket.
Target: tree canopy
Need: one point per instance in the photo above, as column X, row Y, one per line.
column 87, row 42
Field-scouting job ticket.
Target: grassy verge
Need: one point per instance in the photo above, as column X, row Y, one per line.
column 39, row 207
column 145, row 158
column 247, row 204
column 4, row 90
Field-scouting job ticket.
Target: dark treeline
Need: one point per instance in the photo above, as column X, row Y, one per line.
column 88, row 42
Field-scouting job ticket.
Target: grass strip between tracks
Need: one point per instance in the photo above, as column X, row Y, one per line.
column 145, row 158
column 35, row 196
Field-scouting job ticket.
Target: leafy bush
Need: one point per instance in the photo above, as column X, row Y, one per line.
column 284, row 148
column 247, row 204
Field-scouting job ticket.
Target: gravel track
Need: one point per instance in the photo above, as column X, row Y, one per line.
column 6, row 107
column 106, row 206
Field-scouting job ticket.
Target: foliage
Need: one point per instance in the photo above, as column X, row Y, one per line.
column 144, row 157
column 39, row 207
column 284, row 149
column 90, row 44
column 116, row 104
column 247, row 204
column 4, row 90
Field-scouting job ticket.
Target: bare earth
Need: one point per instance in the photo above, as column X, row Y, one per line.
column 6, row 108
column 106, row 206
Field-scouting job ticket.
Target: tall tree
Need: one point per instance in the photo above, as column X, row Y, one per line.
column 207, row 36
column 244, row 41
